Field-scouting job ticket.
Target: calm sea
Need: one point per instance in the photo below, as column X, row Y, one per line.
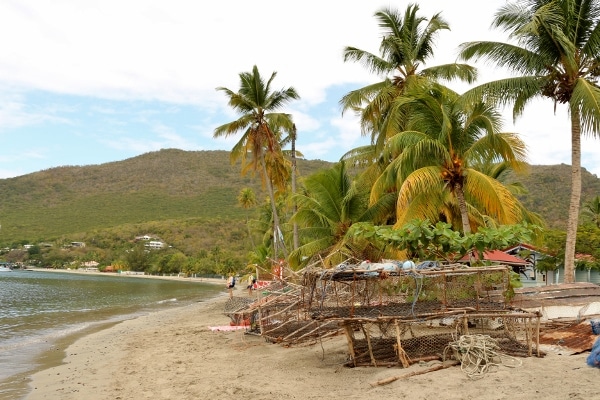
column 40, row 309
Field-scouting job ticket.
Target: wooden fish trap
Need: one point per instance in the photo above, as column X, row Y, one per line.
column 401, row 317
column 280, row 316
column 390, row 341
column 358, row 293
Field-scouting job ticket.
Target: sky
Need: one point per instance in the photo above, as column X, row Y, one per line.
column 87, row 82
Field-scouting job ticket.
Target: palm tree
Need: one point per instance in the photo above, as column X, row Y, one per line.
column 261, row 125
column 557, row 56
column 407, row 44
column 438, row 167
column 295, row 236
column 591, row 210
column 328, row 205
column 501, row 171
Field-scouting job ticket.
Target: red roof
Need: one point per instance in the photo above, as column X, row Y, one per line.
column 497, row 256
column 584, row 257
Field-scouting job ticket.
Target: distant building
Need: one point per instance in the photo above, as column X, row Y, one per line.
column 90, row 264
column 145, row 237
column 154, row 244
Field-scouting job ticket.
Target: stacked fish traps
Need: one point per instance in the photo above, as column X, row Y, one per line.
column 395, row 316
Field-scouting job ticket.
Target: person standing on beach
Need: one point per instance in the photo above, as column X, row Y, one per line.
column 251, row 282
column 230, row 285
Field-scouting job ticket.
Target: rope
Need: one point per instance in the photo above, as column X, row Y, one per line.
column 478, row 354
column 417, row 292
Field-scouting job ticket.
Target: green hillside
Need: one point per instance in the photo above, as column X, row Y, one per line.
column 174, row 187
column 158, row 186
column 549, row 191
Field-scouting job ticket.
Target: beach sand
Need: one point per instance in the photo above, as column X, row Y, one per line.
column 174, row 355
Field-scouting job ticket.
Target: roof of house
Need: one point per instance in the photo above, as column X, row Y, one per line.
column 497, row 256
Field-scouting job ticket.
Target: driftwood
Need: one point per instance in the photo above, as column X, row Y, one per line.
column 391, row 379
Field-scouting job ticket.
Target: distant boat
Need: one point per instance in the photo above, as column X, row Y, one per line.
column 5, row 266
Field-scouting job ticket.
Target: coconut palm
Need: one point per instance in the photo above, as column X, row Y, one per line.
column 293, row 138
column 407, row 44
column 503, row 172
column 555, row 52
column 591, row 210
column 438, row 167
column 261, row 125
column 328, row 205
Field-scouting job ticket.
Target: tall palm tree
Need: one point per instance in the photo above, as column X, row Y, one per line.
column 555, row 53
column 407, row 44
column 260, row 125
column 436, row 169
column 329, row 203
column 295, row 236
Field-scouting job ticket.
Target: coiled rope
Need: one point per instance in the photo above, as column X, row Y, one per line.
column 478, row 354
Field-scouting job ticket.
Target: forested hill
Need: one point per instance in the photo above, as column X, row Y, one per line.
column 164, row 185
column 175, row 184
column 549, row 191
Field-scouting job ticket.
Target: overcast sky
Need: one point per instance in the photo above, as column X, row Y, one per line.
column 87, row 82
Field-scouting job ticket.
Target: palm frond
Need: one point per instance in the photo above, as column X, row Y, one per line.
column 586, row 98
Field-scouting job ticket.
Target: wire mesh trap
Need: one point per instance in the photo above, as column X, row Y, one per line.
column 394, row 318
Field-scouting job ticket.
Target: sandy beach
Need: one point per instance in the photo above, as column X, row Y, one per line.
column 174, row 355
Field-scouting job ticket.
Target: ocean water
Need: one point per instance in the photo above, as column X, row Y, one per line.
column 40, row 309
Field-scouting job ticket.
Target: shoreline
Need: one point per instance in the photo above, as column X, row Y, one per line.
column 30, row 351
column 219, row 281
column 172, row 354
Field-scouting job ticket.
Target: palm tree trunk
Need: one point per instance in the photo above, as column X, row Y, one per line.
column 462, row 205
column 249, row 231
column 575, row 197
column 276, row 225
column 296, row 240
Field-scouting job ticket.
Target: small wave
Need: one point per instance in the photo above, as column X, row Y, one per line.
column 166, row 301
column 42, row 337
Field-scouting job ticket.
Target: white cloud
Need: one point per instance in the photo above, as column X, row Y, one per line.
column 305, row 122
column 15, row 113
column 179, row 51
column 318, row 150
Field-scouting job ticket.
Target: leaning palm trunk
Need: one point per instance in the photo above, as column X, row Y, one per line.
column 575, row 197
column 276, row 225
column 296, row 241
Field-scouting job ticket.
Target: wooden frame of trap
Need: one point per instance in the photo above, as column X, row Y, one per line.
column 401, row 317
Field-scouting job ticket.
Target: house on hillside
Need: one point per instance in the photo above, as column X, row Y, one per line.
column 144, row 237
column 154, row 244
